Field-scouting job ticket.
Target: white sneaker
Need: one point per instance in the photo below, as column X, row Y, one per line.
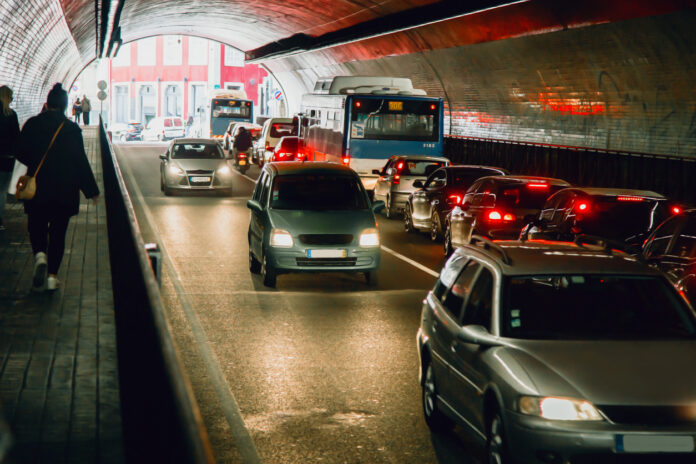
column 52, row 283
column 40, row 263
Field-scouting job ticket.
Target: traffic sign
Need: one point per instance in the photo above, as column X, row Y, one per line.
column 101, row 95
column 102, row 85
column 278, row 95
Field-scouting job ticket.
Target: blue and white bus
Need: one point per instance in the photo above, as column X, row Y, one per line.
column 226, row 106
column 362, row 121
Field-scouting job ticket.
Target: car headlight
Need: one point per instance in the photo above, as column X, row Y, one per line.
column 555, row 408
column 224, row 170
column 369, row 238
column 281, row 238
column 176, row 170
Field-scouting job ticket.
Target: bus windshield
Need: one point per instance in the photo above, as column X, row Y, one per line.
column 395, row 119
column 224, row 108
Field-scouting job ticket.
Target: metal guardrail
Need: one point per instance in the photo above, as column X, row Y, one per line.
column 669, row 175
column 161, row 419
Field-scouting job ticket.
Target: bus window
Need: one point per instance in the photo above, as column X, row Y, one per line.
column 382, row 119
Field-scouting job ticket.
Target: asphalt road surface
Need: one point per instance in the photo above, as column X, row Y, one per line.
column 322, row 369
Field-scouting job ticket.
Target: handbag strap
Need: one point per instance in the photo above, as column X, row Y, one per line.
column 49, row 147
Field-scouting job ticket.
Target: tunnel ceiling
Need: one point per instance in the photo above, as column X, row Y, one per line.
column 533, row 70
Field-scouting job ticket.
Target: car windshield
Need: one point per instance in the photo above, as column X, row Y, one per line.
column 526, row 196
column 289, row 144
column 395, row 119
column 621, row 220
column 196, row 151
column 594, row 307
column 463, row 178
column 318, row 192
column 410, row 167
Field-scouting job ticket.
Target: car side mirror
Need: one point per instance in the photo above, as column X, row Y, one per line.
column 478, row 335
column 163, row 156
column 376, row 171
column 391, row 171
column 254, row 205
column 418, row 183
column 488, row 200
column 378, row 206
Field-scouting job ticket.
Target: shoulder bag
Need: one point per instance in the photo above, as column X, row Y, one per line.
column 26, row 185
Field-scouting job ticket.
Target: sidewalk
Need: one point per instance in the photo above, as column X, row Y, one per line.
column 59, row 387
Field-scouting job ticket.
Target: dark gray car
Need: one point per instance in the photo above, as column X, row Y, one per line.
column 556, row 352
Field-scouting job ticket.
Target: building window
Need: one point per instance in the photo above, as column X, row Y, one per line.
column 147, row 52
column 147, row 103
column 198, row 51
column 233, row 57
column 123, row 56
column 197, row 99
column 234, row 86
column 172, row 100
column 121, row 103
column 172, row 50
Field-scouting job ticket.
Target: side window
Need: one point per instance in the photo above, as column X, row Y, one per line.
column 479, row 306
column 460, row 289
column 550, row 206
column 265, row 189
column 661, row 238
column 259, row 186
column 437, row 179
column 685, row 243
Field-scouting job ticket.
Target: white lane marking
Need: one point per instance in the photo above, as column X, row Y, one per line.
column 411, row 262
column 230, row 407
column 244, row 175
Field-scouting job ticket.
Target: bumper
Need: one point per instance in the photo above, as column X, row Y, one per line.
column 295, row 259
column 536, row 440
column 183, row 183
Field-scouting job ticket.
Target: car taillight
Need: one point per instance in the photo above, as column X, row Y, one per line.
column 582, row 207
column 538, row 186
column 346, row 160
column 268, row 146
column 676, row 210
column 400, row 166
column 629, row 198
column 241, row 155
column 498, row 216
column 455, row 199
column 397, row 179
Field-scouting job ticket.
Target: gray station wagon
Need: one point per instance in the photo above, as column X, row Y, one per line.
column 556, row 352
column 312, row 217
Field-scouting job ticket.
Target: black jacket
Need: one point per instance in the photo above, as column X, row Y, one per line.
column 9, row 135
column 242, row 141
column 66, row 170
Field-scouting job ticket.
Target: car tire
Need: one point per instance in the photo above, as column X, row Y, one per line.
column 408, row 220
column 371, row 278
column 435, row 227
column 448, row 241
column 268, row 273
column 436, row 420
column 167, row 191
column 496, row 446
column 254, row 264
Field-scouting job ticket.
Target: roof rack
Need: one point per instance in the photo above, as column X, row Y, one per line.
column 488, row 245
column 608, row 245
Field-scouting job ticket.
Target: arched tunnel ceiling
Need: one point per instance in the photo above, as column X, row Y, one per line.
column 606, row 74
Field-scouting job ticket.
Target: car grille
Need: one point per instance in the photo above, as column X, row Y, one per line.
column 326, row 239
column 326, row 262
column 199, row 172
column 196, row 173
column 648, row 415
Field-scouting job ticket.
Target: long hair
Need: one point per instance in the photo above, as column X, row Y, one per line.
column 5, row 99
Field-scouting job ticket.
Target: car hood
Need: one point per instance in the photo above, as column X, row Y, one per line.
column 612, row 372
column 321, row 222
column 199, row 164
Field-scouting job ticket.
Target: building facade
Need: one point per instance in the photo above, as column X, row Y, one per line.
column 171, row 76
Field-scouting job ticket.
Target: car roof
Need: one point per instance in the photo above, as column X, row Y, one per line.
column 542, row 257
column 287, row 168
column 422, row 157
column 194, row 140
column 453, row 167
column 597, row 191
column 515, row 179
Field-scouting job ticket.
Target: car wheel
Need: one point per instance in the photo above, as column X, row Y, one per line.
column 435, row 419
column 268, row 273
column 371, row 278
column 435, row 228
column 448, row 241
column 408, row 221
column 496, row 447
column 254, row 264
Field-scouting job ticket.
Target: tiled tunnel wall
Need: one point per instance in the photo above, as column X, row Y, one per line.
column 37, row 50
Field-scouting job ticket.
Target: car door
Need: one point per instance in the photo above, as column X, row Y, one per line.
column 258, row 218
column 163, row 166
column 423, row 201
column 467, row 371
column 446, row 330
column 382, row 184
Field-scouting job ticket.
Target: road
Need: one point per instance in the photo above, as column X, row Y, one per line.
column 322, row 369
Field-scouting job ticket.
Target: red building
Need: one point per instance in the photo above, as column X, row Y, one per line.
column 171, row 76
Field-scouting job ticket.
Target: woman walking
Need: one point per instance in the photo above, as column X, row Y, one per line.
column 9, row 134
column 64, row 173
column 77, row 110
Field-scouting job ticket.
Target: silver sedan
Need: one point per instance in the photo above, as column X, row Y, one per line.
column 194, row 165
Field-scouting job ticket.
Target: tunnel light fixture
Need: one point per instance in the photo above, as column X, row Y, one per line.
column 113, row 32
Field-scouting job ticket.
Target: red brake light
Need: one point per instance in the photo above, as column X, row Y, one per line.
column 508, row 217
column 494, row 216
column 629, row 198
column 397, row 179
column 537, row 186
column 358, row 104
column 676, row 210
column 400, row 166
column 346, row 161
column 584, row 207
column 432, row 107
column 455, row 199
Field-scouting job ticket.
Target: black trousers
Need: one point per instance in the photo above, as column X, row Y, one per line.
column 85, row 118
column 47, row 234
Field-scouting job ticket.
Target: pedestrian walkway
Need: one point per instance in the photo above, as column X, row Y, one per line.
column 59, row 387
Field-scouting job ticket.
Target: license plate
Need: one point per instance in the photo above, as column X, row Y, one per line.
column 242, row 162
column 200, row 179
column 654, row 443
column 326, row 253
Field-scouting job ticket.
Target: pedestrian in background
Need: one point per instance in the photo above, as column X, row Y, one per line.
column 77, row 110
column 86, row 107
column 64, row 173
column 9, row 136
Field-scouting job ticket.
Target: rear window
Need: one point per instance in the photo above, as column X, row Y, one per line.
column 594, row 307
column 417, row 167
column 167, row 123
column 463, row 178
column 178, row 122
column 282, row 129
column 196, row 151
column 289, row 144
column 318, row 192
column 621, row 220
column 525, row 196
